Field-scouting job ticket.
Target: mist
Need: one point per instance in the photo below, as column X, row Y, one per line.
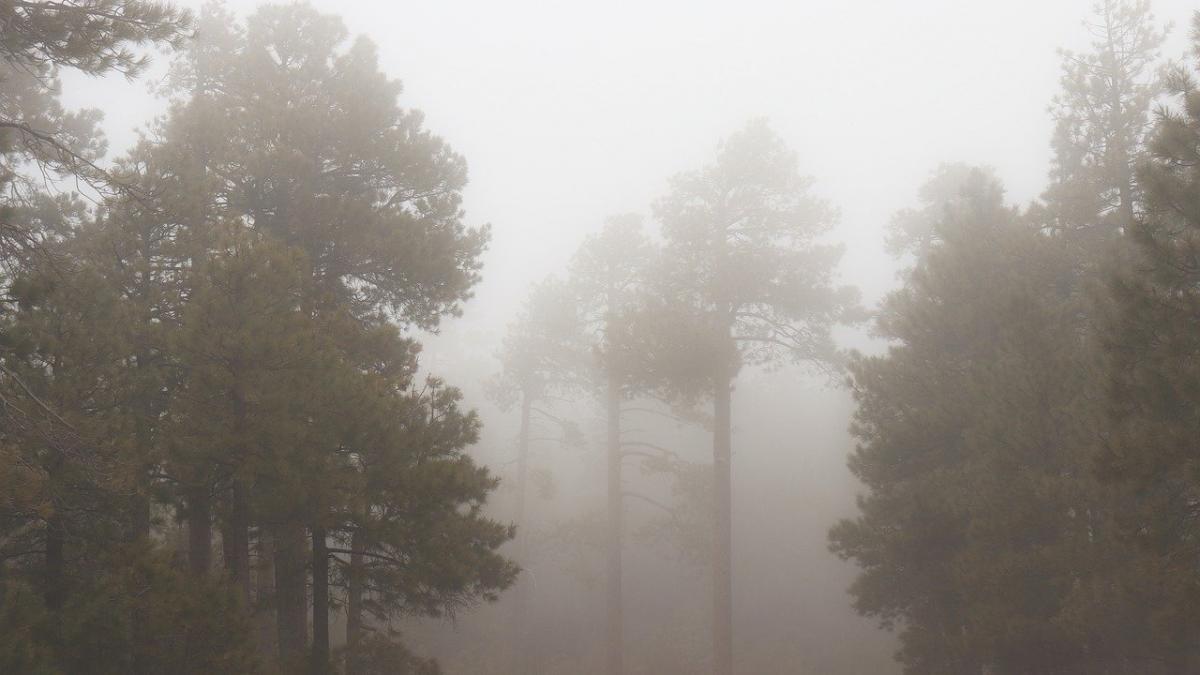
column 540, row 338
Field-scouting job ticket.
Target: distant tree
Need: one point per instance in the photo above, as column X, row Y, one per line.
column 745, row 280
column 1102, row 115
column 540, row 360
column 915, row 231
column 607, row 279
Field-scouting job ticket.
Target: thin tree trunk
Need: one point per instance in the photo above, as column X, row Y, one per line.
column 239, row 516
column 199, row 523
column 139, row 519
column 139, row 515
column 237, row 541
column 522, row 643
column 1122, row 152
column 354, row 593
column 55, row 579
column 54, row 592
column 291, row 611
column 320, row 601
column 265, row 597
column 615, row 623
column 723, row 523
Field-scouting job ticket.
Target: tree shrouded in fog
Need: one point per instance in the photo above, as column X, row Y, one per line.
column 39, row 39
column 745, row 274
column 1102, row 115
column 985, row 535
column 238, row 354
column 538, row 362
column 1151, row 342
column 607, row 279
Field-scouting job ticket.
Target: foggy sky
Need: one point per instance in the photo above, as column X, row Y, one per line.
column 571, row 111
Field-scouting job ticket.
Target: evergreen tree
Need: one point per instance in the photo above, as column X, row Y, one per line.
column 351, row 183
column 541, row 358
column 1151, row 342
column 96, row 37
column 984, row 536
column 607, row 278
column 745, row 273
column 1102, row 115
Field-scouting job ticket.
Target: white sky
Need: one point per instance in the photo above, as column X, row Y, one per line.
column 568, row 111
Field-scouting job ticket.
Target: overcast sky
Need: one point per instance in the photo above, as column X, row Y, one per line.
column 568, row 111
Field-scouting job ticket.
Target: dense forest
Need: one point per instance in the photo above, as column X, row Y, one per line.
column 224, row 447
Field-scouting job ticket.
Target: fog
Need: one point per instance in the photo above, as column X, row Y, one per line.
column 569, row 113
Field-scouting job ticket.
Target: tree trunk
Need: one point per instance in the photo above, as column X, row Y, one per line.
column 521, row 641
column 139, row 506
column 320, row 602
column 354, row 593
column 291, row 611
column 199, row 523
column 55, row 579
column 615, row 623
column 139, row 514
column 723, row 523
column 54, row 592
column 237, row 541
column 264, row 579
column 238, row 561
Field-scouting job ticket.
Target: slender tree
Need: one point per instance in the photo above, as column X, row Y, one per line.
column 539, row 361
column 744, row 268
column 607, row 278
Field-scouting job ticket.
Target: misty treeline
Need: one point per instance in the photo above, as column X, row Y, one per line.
column 219, row 451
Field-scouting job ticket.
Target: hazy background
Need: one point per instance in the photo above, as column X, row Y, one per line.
column 571, row 111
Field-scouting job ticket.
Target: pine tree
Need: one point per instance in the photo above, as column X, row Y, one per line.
column 984, row 536
column 1102, row 115
column 607, row 278
column 96, row 37
column 348, row 180
column 541, row 358
column 745, row 273
column 1151, row 343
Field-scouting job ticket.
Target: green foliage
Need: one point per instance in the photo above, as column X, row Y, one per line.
column 349, row 178
column 380, row 655
column 743, row 260
column 94, row 36
column 223, row 337
column 984, row 537
column 25, row 631
column 1151, row 344
column 1102, row 116
column 140, row 612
